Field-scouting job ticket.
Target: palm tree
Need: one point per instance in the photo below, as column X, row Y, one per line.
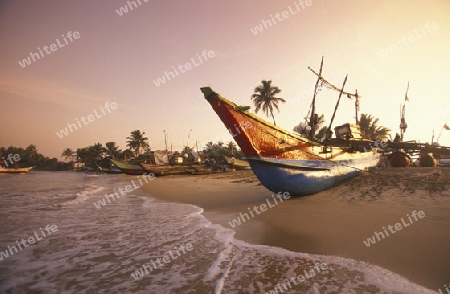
column 82, row 154
column 112, row 150
column 69, row 154
column 126, row 154
column 31, row 151
column 370, row 129
column 231, row 148
column 303, row 128
column 97, row 151
column 264, row 98
column 137, row 141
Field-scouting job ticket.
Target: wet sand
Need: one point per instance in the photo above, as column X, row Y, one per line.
column 337, row 221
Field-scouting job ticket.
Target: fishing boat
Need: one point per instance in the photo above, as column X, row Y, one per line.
column 201, row 170
column 398, row 157
column 284, row 161
column 127, row 168
column 15, row 170
column 164, row 170
column 110, row 170
column 238, row 164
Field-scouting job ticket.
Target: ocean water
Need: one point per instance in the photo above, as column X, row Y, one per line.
column 137, row 244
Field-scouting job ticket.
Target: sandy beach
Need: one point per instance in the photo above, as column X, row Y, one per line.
column 337, row 221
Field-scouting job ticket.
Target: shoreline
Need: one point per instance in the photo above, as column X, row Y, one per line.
column 335, row 222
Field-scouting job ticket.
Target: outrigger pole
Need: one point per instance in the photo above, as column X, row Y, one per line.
column 312, row 119
column 328, row 135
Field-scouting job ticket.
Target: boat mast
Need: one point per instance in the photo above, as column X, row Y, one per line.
column 313, row 119
column 165, row 139
column 341, row 91
column 328, row 134
column 356, row 107
column 403, row 124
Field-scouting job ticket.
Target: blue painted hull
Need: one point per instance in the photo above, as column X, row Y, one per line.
column 305, row 177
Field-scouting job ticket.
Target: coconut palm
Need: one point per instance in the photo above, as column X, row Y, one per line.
column 126, row 154
column 231, row 148
column 69, row 154
column 264, row 98
column 112, row 150
column 96, row 151
column 304, row 128
column 370, row 129
column 137, row 142
column 31, row 151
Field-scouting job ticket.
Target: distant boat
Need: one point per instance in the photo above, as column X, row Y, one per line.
column 238, row 164
column 200, row 170
column 127, row 168
column 286, row 162
column 444, row 162
column 399, row 159
column 111, row 170
column 164, row 170
column 13, row 170
column 427, row 160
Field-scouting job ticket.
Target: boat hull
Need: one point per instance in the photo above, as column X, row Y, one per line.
column 19, row 170
column 399, row 159
column 300, row 177
column 238, row 163
column 129, row 169
column 164, row 170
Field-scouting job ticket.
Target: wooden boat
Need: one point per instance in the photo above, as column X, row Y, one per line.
column 164, row 170
column 129, row 169
column 13, row 170
column 111, row 170
column 286, row 162
column 427, row 160
column 399, row 159
column 444, row 162
column 238, row 164
column 200, row 170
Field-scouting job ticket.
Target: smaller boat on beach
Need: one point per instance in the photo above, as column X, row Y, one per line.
column 110, row 170
column 15, row 170
column 127, row 168
column 238, row 164
column 164, row 170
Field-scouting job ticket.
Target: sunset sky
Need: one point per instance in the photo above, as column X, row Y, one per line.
column 380, row 44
